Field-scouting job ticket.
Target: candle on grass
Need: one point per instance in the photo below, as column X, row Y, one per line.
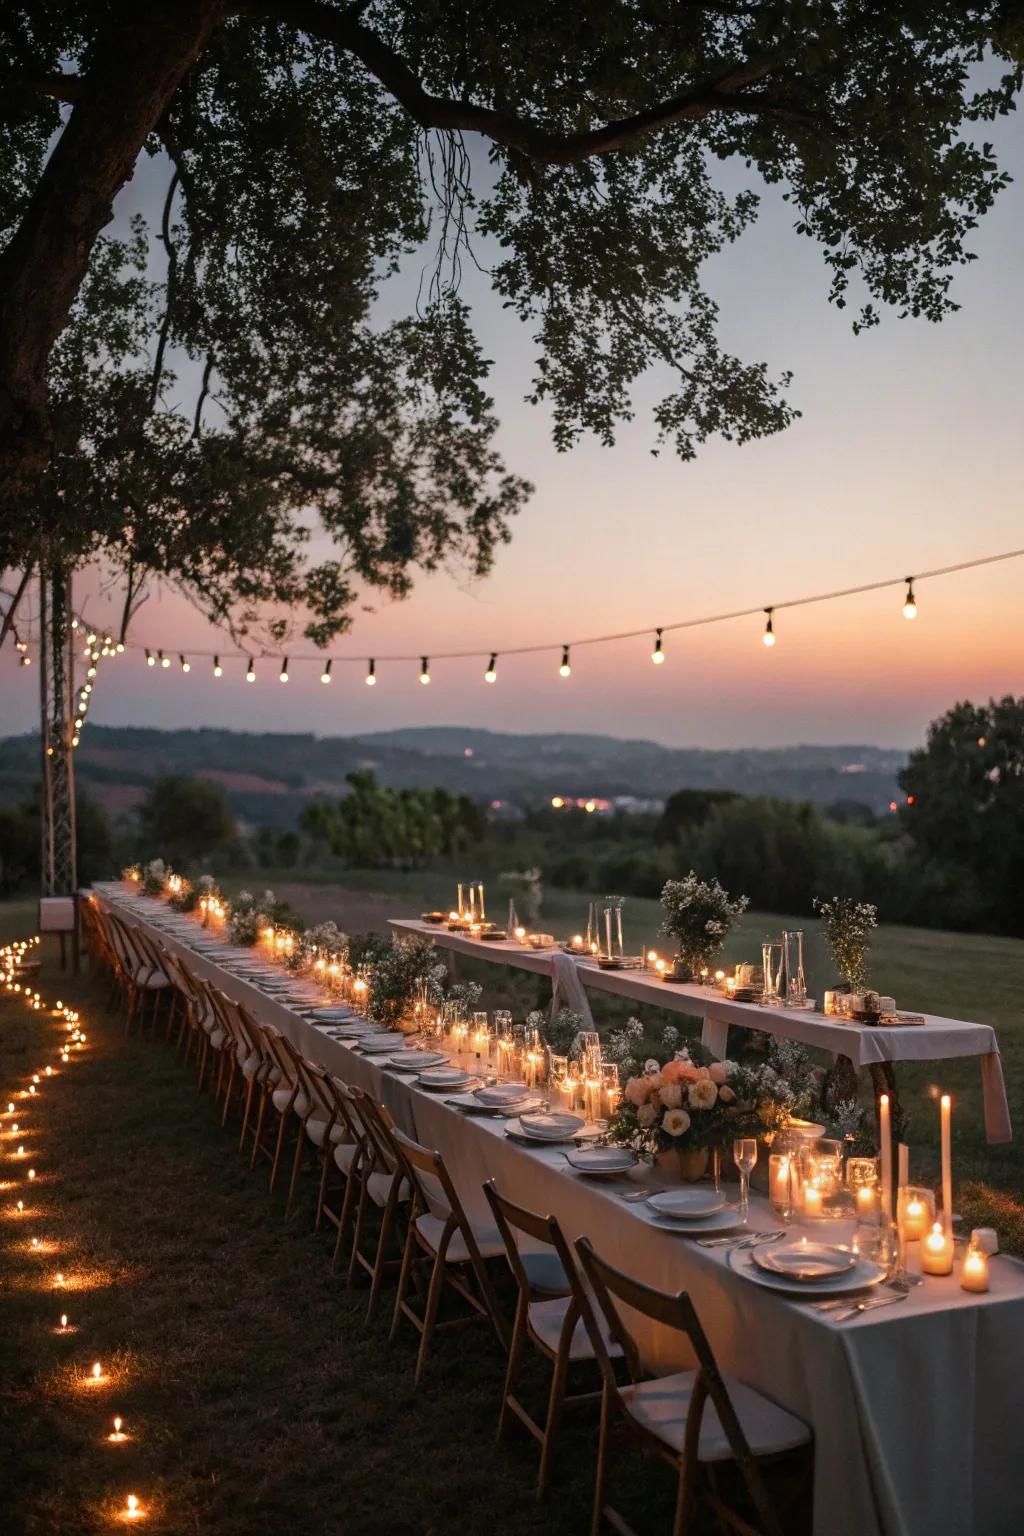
column 118, row 1433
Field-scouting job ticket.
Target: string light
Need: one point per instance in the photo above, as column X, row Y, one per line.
column 250, row 674
column 910, row 605
column 657, row 655
column 325, row 675
column 185, row 666
column 491, row 675
column 769, row 629
column 371, row 674
column 284, row 669
column 217, row 668
column 565, row 669
column 165, row 661
column 424, row 671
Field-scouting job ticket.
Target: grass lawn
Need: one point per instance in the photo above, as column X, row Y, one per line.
column 257, row 1400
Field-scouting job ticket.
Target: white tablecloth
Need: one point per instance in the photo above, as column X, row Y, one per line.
column 917, row 1409
column 938, row 1039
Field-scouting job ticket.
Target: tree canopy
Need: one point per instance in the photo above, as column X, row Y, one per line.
column 314, row 149
column 374, row 825
column 188, row 819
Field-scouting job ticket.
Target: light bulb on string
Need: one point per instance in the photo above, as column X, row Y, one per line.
column 769, row 629
column 217, row 668
column 165, row 661
column 491, row 675
column 250, row 675
column 657, row 655
column 283, row 675
column 910, row 605
column 371, row 674
column 185, row 666
column 424, row 671
column 325, row 675
column 565, row 670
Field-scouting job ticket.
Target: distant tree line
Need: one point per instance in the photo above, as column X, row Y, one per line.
column 374, row 826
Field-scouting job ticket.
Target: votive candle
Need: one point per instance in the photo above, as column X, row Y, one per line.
column 867, row 1202
column 937, row 1252
column 814, row 1200
column 974, row 1270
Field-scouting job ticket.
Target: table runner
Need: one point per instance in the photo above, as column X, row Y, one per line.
column 938, row 1039
column 917, row 1409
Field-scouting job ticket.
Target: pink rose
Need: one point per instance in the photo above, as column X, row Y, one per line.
column 716, row 1072
column 638, row 1090
column 677, row 1071
column 646, row 1115
column 726, row 1094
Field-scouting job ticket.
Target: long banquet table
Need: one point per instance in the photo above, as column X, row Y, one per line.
column 938, row 1039
column 917, row 1409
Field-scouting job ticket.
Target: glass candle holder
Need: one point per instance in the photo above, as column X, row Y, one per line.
column 974, row 1270
column 784, row 1183
column 937, row 1251
column 862, row 1178
column 915, row 1212
column 611, row 1089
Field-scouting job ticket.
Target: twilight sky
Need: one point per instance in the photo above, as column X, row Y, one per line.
column 908, row 456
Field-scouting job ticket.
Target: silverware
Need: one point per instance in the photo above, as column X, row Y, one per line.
column 868, row 1304
column 641, row 1194
column 739, row 1240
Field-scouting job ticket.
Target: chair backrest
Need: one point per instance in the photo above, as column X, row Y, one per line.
column 277, row 1049
column 378, row 1130
column 331, row 1095
column 611, row 1285
column 510, row 1218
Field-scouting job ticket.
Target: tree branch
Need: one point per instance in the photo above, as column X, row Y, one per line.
column 9, row 616
column 172, row 272
column 197, row 424
column 714, row 94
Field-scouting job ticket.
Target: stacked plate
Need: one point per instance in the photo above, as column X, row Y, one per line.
column 334, row 1014
column 504, row 1095
column 415, row 1061
column 382, row 1043
column 797, row 1266
column 691, row 1211
column 441, row 1078
column 601, row 1162
column 546, row 1126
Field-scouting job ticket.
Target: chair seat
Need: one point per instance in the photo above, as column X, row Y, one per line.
column 661, row 1407
column 217, row 1038
column 378, row 1186
column 345, row 1155
column 316, row 1130
column 546, row 1319
column 488, row 1240
column 251, row 1064
column 150, row 980
column 544, row 1271
column 282, row 1098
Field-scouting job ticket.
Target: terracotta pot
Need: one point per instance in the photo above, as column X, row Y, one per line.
column 685, row 1164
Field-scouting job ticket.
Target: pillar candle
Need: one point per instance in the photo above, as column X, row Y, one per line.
column 813, row 1200
column 867, row 1201
column 886, row 1149
column 902, row 1165
column 914, row 1220
column 945, row 1110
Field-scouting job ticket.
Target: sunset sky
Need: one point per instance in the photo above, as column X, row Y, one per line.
column 908, row 456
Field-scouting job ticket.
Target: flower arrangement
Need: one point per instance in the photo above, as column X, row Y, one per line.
column 698, row 915
column 561, row 1034
column 154, row 877
column 406, row 969
column 848, row 926
column 680, row 1106
column 132, row 874
column 249, row 915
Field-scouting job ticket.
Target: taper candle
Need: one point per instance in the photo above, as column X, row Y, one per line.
column 885, row 1128
column 945, row 1111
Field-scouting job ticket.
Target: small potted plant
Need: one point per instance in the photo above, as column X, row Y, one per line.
column 848, row 926
column 698, row 915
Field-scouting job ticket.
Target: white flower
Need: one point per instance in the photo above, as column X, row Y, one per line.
column 703, row 1094
column 671, row 1095
column 726, row 1094
column 675, row 1122
column 652, row 1068
column 646, row 1115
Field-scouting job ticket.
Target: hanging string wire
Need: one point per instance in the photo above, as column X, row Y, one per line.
column 485, row 651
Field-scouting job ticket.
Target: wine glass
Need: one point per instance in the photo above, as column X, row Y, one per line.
column 744, row 1153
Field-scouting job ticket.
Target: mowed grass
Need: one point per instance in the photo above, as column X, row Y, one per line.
column 965, row 976
column 257, row 1399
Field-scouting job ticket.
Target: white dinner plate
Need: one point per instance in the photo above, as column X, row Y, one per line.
column 514, row 1128
column 381, row 1045
column 501, row 1095
column 444, row 1078
column 336, row 1012
column 551, row 1125
column 471, row 1103
column 804, row 1260
column 725, row 1220
column 601, row 1162
column 353, row 1031
column 686, row 1204
column 861, row 1277
column 415, row 1061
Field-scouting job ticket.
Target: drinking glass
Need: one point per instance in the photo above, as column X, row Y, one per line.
column 744, row 1154
column 613, row 927
column 794, row 982
column 771, row 960
column 481, row 1037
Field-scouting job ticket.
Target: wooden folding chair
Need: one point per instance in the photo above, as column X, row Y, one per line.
column 329, row 1126
column 346, row 1158
column 698, row 1421
column 382, row 1183
column 549, row 1314
column 258, row 1070
column 451, row 1247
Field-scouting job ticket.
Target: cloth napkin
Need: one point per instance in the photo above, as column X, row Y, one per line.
column 567, row 991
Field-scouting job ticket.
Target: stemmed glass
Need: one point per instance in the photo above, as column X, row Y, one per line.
column 744, row 1153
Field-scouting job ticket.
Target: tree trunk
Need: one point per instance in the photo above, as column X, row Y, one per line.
column 138, row 66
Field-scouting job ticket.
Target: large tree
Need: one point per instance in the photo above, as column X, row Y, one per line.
column 309, row 145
